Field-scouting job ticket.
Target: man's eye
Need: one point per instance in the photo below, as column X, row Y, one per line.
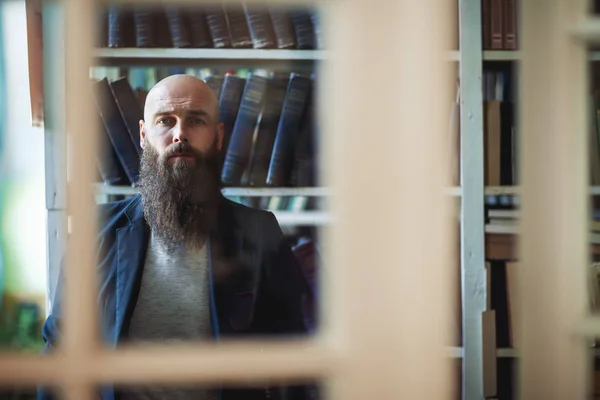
column 165, row 121
column 198, row 121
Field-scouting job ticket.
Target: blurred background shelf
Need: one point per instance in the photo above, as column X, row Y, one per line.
column 234, row 191
column 312, row 191
column 210, row 58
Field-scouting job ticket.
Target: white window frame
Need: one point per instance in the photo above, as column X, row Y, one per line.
column 386, row 87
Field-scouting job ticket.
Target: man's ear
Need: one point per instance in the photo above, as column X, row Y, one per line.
column 220, row 130
column 142, row 133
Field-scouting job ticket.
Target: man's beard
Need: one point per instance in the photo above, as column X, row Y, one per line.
column 180, row 200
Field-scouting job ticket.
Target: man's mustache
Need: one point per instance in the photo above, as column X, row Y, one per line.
column 179, row 149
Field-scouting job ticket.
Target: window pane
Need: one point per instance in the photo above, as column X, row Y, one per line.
column 22, row 196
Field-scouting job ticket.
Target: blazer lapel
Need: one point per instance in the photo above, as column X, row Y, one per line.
column 234, row 272
column 132, row 243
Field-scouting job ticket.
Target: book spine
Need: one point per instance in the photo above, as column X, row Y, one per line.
column 116, row 129
column 177, row 27
column 229, row 103
column 101, row 38
column 304, row 166
column 238, row 28
column 144, row 28
column 200, row 34
column 215, row 83
column 497, row 25
column 486, row 28
column 305, row 35
column 107, row 161
column 283, row 28
column 261, row 29
column 287, row 130
column 510, row 25
column 267, row 129
column 318, row 33
column 238, row 152
column 217, row 26
column 130, row 109
column 116, row 27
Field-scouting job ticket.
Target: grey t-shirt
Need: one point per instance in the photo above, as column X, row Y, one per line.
column 173, row 305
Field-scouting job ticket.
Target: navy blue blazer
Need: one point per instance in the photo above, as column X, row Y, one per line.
column 257, row 287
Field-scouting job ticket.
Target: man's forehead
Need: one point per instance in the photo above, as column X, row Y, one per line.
column 180, row 97
column 182, row 103
column 172, row 104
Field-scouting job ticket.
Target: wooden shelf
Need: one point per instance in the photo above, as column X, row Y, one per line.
column 315, row 191
column 512, row 229
column 249, row 57
column 501, row 55
column 241, row 191
column 285, row 218
column 515, row 55
column 516, row 190
column 303, row 218
column 216, row 58
column 509, row 352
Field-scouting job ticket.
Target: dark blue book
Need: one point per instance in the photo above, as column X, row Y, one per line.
column 229, row 103
column 238, row 151
column 282, row 158
column 267, row 130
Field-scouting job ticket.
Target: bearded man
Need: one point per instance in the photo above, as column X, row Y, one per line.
column 179, row 261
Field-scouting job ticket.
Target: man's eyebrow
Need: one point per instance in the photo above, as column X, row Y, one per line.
column 194, row 112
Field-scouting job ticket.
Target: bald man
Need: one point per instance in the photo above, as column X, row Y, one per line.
column 179, row 262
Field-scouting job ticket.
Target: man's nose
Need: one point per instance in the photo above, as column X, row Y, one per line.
column 180, row 133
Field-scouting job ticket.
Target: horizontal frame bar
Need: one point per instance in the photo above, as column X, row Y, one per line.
column 587, row 29
column 227, row 362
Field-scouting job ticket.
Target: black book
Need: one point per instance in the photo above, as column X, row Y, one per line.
column 117, row 130
column 130, row 109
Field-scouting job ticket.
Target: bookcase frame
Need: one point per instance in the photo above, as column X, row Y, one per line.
column 469, row 57
column 346, row 343
column 322, row 357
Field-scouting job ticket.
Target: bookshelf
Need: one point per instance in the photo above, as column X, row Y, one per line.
column 471, row 192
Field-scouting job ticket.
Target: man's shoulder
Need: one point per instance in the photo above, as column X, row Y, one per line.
column 245, row 212
column 117, row 213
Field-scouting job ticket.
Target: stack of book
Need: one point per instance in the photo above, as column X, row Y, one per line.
column 499, row 24
column 269, row 130
column 234, row 25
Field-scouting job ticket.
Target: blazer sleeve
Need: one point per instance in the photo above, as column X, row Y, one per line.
column 50, row 334
column 288, row 298
column 288, row 294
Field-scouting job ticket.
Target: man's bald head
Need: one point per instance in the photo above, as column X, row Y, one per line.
column 181, row 108
column 176, row 87
column 180, row 169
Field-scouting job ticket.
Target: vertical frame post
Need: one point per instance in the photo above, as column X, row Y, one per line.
column 55, row 142
column 389, row 127
column 554, row 243
column 472, row 234
column 80, row 327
